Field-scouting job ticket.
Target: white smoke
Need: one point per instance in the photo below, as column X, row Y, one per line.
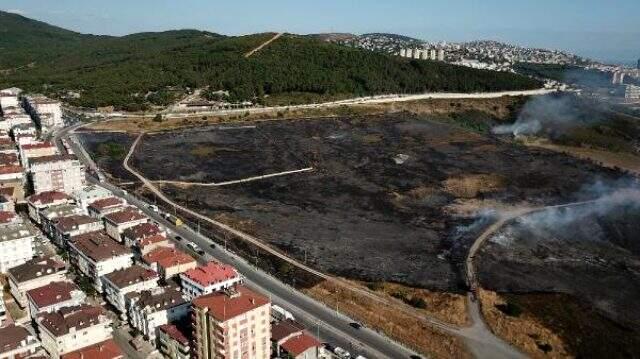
column 550, row 115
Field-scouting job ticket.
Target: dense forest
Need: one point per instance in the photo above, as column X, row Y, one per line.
column 136, row 71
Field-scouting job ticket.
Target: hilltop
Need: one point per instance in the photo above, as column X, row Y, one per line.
column 140, row 70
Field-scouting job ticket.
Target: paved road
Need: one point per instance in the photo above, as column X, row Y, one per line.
column 379, row 99
column 331, row 326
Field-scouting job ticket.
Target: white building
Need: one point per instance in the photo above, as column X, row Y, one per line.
column 43, row 200
column 34, row 274
column 152, row 308
column 212, row 277
column 75, row 225
column 119, row 283
column 46, row 112
column 96, row 254
column 53, row 297
column 88, row 194
column 16, row 245
column 57, row 173
column 50, row 215
column 100, row 208
column 73, row 328
column 17, row 342
column 116, row 222
column 34, row 150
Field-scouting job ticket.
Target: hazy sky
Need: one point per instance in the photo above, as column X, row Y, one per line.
column 608, row 30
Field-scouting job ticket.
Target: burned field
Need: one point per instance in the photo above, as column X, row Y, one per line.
column 591, row 252
column 377, row 206
column 108, row 150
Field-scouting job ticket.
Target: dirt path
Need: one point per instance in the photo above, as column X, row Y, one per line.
column 228, row 183
column 263, row 45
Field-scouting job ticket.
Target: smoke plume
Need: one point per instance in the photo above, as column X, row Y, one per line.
column 548, row 115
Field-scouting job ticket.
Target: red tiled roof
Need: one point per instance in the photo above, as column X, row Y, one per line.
column 66, row 224
column 141, row 231
column 8, row 159
column 129, row 214
column 52, row 158
column 5, row 141
column 80, row 317
column 223, row 306
column 158, row 238
column 10, row 169
column 175, row 333
column 52, row 293
column 284, row 329
column 106, row 203
column 11, row 337
column 48, row 197
column 167, row 257
column 103, row 350
column 37, row 267
column 135, row 274
column 6, row 217
column 211, row 273
column 98, row 246
column 299, row 344
column 31, row 146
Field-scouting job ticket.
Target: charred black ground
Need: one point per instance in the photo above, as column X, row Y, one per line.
column 374, row 207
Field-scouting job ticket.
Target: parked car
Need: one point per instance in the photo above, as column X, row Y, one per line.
column 341, row 353
column 355, row 325
column 178, row 238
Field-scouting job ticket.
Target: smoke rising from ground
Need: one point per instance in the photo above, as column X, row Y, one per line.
column 551, row 115
column 605, row 199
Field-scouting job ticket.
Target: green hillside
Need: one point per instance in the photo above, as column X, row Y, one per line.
column 136, row 71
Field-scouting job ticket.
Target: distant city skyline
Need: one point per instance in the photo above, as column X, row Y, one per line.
column 604, row 31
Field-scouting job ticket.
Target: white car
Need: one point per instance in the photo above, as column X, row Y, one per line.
column 341, row 353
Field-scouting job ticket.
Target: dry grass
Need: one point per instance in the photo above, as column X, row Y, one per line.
column 524, row 331
column 470, row 186
column 625, row 161
column 389, row 320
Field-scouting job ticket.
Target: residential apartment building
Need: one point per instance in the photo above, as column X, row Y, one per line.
column 173, row 342
column 45, row 200
column 119, row 283
column 35, row 273
column 46, row 112
column 144, row 246
column 232, row 324
column 150, row 309
column 74, row 225
column 290, row 338
column 96, row 254
column 104, row 206
column 49, row 216
column 35, row 150
column 212, row 277
column 54, row 296
column 17, row 342
column 56, row 173
column 103, row 350
column 89, row 194
column 16, row 245
column 133, row 235
column 73, row 328
column 117, row 222
column 169, row 262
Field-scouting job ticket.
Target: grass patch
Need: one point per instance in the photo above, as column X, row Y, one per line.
column 111, row 150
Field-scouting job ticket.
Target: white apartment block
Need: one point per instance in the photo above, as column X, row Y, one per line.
column 17, row 342
column 86, row 195
column 50, row 215
column 35, row 273
column 210, row 278
column 45, row 200
column 159, row 306
column 56, row 173
column 119, row 283
column 117, row 222
column 46, row 112
column 96, row 254
column 53, row 297
column 34, row 149
column 73, row 328
column 16, row 245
